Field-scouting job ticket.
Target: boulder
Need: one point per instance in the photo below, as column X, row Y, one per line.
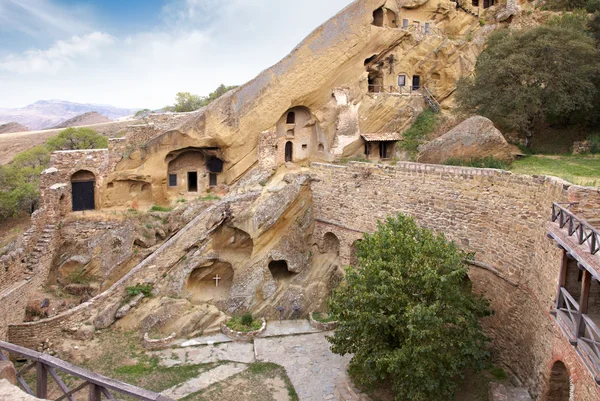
column 85, row 332
column 511, row 9
column 474, row 138
column 10, row 392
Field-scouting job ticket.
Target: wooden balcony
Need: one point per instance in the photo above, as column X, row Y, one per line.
column 579, row 282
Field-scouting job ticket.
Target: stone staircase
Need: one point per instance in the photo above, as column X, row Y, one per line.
column 41, row 246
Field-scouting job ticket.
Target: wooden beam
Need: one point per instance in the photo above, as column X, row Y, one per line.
column 584, row 301
column 562, row 277
column 41, row 381
column 95, row 393
column 70, row 393
column 60, row 383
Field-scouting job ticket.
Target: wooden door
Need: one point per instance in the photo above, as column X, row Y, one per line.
column 83, row 195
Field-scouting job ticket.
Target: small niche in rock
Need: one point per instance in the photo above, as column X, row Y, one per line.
column 280, row 273
column 210, row 284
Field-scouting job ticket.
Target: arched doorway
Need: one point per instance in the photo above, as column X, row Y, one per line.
column 559, row 388
column 83, row 184
column 331, row 243
column 289, row 151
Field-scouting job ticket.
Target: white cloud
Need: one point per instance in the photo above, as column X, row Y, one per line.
column 201, row 44
column 61, row 54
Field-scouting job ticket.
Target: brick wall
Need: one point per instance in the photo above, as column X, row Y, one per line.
column 500, row 216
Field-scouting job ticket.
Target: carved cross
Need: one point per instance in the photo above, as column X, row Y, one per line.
column 217, row 278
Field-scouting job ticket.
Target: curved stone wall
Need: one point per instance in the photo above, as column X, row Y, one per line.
column 500, row 216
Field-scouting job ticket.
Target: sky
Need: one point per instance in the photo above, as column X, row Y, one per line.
column 140, row 53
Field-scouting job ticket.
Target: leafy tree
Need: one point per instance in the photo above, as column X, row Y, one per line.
column 142, row 113
column 185, row 102
column 524, row 78
column 77, row 138
column 407, row 314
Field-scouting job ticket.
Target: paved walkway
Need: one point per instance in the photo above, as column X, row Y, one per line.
column 302, row 350
column 313, row 369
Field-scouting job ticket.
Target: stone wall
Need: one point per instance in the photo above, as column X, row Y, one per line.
column 500, row 216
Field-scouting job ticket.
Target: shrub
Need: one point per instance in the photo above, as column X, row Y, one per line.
column 594, row 143
column 77, row 138
column 247, row 319
column 411, row 299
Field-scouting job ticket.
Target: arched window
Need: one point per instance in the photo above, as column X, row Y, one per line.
column 378, row 17
column 331, row 243
column 291, row 118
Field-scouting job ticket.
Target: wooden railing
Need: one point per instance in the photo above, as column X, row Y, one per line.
column 97, row 385
column 424, row 30
column 431, row 100
column 582, row 230
column 568, row 311
column 581, row 330
column 399, row 90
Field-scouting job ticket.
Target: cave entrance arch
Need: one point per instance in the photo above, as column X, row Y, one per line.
column 331, row 243
column 289, row 152
column 559, row 388
column 83, row 190
column 280, row 272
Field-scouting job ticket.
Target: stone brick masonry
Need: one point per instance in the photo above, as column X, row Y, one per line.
column 500, row 216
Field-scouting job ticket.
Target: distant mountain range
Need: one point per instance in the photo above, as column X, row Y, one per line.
column 49, row 113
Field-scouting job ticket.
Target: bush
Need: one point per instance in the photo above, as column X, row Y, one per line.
column 323, row 317
column 247, row 319
column 408, row 315
column 77, row 138
column 244, row 323
column 594, row 144
column 486, row 162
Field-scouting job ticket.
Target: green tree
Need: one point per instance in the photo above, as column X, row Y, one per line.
column 594, row 26
column 77, row 138
column 526, row 77
column 185, row 102
column 407, row 313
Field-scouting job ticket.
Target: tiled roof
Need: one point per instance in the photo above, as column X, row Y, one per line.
column 382, row 137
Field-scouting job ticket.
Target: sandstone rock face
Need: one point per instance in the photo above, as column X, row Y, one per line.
column 8, row 372
column 511, row 9
column 10, row 392
column 474, row 138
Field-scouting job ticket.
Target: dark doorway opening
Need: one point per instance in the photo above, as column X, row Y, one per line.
column 212, row 178
column 279, row 271
column 384, row 150
column 416, row 82
column 375, row 81
column 378, row 17
column 560, row 384
column 289, row 152
column 83, row 196
column 83, row 184
column 192, row 181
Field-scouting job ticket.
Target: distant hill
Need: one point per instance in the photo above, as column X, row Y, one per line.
column 49, row 113
column 12, row 127
column 88, row 118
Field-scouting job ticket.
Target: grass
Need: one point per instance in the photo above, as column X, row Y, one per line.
column 244, row 323
column 251, row 384
column 79, row 276
column 577, row 169
column 209, row 197
column 486, row 162
column 157, row 208
column 323, row 317
column 423, row 126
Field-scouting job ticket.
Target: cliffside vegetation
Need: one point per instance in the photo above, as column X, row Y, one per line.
column 548, row 75
column 186, row 101
column 20, row 179
column 408, row 314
